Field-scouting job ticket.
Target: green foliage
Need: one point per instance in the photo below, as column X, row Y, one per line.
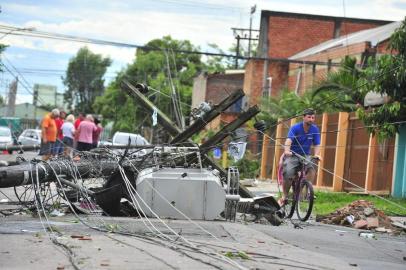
column 235, row 254
column 152, row 68
column 389, row 80
column 248, row 166
column 328, row 202
column 344, row 86
column 84, row 79
column 2, row 49
column 289, row 104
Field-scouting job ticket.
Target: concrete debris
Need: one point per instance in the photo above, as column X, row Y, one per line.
column 249, row 182
column 367, row 235
column 361, row 214
column 399, row 225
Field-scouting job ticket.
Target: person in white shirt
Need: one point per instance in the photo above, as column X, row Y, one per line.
column 68, row 132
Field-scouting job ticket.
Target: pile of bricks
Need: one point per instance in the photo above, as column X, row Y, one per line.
column 360, row 214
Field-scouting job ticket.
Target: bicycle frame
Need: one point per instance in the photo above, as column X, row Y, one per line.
column 298, row 183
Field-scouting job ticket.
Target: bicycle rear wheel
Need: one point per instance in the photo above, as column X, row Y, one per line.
column 289, row 206
column 304, row 204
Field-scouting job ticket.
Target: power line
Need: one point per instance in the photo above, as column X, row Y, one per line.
column 56, row 36
column 27, row 88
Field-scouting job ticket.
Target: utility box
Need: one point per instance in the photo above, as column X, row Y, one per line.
column 197, row 193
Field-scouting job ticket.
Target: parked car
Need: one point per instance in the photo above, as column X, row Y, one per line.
column 30, row 137
column 104, row 143
column 121, row 138
column 6, row 139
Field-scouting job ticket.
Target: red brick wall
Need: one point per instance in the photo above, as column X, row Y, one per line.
column 289, row 35
column 254, row 70
column 279, row 74
column 220, row 86
column 308, row 79
column 351, row 27
column 382, row 48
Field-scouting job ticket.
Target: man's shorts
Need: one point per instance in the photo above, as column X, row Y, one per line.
column 46, row 148
column 293, row 164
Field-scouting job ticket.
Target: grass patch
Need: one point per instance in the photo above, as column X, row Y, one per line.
column 327, row 202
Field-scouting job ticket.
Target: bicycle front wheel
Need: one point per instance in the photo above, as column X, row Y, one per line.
column 304, row 204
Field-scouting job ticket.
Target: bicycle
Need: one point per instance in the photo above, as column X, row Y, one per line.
column 301, row 194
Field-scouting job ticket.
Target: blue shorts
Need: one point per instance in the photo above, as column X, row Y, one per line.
column 46, row 148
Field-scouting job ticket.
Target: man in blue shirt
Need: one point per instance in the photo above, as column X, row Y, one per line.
column 301, row 137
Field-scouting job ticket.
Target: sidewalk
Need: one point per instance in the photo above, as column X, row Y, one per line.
column 268, row 187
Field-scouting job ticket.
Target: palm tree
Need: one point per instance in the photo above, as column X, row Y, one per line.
column 345, row 85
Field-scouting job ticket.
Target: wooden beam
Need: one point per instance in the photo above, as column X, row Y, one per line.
column 323, row 139
column 264, row 156
column 372, row 153
column 341, row 147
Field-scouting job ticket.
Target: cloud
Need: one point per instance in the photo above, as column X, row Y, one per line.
column 123, row 22
column 131, row 28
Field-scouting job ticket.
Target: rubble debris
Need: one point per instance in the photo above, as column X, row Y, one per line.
column 360, row 214
column 367, row 235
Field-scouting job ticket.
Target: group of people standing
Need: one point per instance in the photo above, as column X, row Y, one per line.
column 61, row 133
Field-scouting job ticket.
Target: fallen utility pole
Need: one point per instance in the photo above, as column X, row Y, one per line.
column 146, row 103
column 201, row 122
column 37, row 147
column 175, row 131
column 25, row 173
column 225, row 131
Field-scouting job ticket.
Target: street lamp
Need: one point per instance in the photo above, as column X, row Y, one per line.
column 23, row 29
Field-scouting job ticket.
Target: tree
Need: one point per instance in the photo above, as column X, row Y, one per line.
column 344, row 85
column 289, row 104
column 2, row 48
column 389, row 79
column 155, row 69
column 84, row 79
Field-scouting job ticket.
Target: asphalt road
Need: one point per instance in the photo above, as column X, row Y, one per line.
column 72, row 242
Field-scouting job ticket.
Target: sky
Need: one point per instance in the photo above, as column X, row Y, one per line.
column 136, row 22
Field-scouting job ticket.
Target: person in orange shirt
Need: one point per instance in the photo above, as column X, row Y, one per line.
column 49, row 134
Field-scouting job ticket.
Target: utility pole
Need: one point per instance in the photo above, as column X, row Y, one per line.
column 12, row 98
column 241, row 34
column 237, row 51
column 35, row 101
column 253, row 9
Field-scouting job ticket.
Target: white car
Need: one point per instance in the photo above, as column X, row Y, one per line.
column 6, row 139
column 30, row 137
column 121, row 138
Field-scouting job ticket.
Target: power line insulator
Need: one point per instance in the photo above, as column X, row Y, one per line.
column 260, row 125
column 143, row 88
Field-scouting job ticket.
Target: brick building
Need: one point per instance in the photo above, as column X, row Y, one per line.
column 216, row 87
column 283, row 35
column 360, row 45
